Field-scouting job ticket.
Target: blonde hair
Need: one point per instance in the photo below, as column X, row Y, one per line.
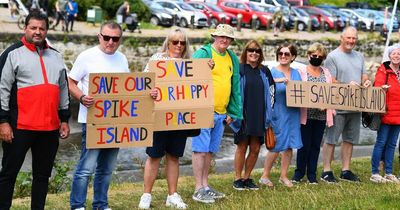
column 187, row 52
column 317, row 47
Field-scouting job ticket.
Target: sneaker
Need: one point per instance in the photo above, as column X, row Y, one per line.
column 377, row 178
column 313, row 181
column 82, row 208
column 175, row 201
column 328, row 177
column 392, row 178
column 201, row 195
column 249, row 184
column 107, row 209
column 295, row 180
column 347, row 175
column 239, row 185
column 266, row 182
column 215, row 194
column 145, row 201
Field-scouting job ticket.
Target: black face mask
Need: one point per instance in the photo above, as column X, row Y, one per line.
column 315, row 61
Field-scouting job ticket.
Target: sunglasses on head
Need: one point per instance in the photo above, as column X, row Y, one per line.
column 316, row 56
column 113, row 38
column 176, row 42
column 287, row 54
column 252, row 50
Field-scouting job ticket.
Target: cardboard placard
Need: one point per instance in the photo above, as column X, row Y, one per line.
column 335, row 96
column 184, row 89
column 123, row 111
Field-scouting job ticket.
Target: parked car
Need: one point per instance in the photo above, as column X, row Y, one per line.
column 184, row 13
column 363, row 21
column 298, row 2
column 214, row 13
column 379, row 19
column 276, row 3
column 357, row 5
column 304, row 18
column 247, row 10
column 353, row 21
column 329, row 19
column 159, row 15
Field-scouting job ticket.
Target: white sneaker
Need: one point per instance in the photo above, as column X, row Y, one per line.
column 108, row 209
column 378, row 178
column 175, row 201
column 392, row 178
column 145, row 201
column 82, row 208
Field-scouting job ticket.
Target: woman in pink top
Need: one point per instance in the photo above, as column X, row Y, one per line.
column 313, row 120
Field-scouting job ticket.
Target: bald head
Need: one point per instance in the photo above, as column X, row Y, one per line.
column 348, row 39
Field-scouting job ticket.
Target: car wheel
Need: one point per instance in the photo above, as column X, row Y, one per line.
column 183, row 23
column 301, row 26
column 154, row 21
column 214, row 21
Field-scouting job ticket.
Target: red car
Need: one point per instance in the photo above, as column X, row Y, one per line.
column 322, row 14
column 214, row 13
column 247, row 10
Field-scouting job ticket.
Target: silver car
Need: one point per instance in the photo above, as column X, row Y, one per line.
column 184, row 13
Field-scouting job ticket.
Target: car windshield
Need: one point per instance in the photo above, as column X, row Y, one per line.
column 301, row 12
column 185, row 6
column 255, row 7
column 214, row 8
column 282, row 2
column 155, row 5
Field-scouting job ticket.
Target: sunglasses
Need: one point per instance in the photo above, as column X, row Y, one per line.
column 316, row 56
column 113, row 38
column 176, row 42
column 252, row 50
column 287, row 54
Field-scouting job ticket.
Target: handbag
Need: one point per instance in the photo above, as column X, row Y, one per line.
column 270, row 138
column 372, row 120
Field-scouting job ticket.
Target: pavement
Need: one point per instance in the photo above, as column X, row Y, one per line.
column 8, row 25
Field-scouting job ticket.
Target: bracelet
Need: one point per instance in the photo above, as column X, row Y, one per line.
column 81, row 98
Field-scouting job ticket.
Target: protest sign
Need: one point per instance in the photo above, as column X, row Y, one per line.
column 122, row 114
column 185, row 94
column 335, row 96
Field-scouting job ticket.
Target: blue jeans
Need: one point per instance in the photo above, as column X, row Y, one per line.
column 99, row 161
column 385, row 145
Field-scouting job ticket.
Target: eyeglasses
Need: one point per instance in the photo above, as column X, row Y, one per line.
column 317, row 56
column 252, row 50
column 176, row 42
column 287, row 54
column 113, row 38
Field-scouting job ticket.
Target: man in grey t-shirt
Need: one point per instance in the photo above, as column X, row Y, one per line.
column 347, row 66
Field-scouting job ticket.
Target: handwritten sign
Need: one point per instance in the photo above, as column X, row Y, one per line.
column 185, row 94
column 335, row 96
column 122, row 114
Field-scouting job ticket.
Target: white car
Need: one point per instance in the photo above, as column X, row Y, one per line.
column 365, row 21
column 184, row 12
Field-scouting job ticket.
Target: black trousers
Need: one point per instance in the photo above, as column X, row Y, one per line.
column 44, row 146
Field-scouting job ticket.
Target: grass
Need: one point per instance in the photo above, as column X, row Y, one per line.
column 344, row 195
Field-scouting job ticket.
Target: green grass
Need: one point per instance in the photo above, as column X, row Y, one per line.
column 344, row 195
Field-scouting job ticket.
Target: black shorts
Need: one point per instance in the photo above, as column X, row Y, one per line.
column 171, row 142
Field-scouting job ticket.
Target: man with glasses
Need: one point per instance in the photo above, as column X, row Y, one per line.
column 103, row 58
column 228, row 105
column 347, row 66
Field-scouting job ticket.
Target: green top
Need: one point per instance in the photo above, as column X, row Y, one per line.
column 234, row 109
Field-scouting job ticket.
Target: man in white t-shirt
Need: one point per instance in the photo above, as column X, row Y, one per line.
column 103, row 58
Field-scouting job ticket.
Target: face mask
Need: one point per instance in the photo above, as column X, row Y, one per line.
column 315, row 61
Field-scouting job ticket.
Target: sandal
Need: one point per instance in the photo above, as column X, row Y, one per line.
column 286, row 182
column 266, row 182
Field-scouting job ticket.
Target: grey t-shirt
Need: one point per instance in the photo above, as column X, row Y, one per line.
column 346, row 67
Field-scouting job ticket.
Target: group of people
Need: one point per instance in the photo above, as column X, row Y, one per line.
column 249, row 97
column 66, row 12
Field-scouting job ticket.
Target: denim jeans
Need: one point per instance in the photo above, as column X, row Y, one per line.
column 307, row 156
column 385, row 145
column 99, row 161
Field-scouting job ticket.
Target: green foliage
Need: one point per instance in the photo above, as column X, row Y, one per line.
column 143, row 12
column 23, row 185
column 60, row 181
column 342, row 3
